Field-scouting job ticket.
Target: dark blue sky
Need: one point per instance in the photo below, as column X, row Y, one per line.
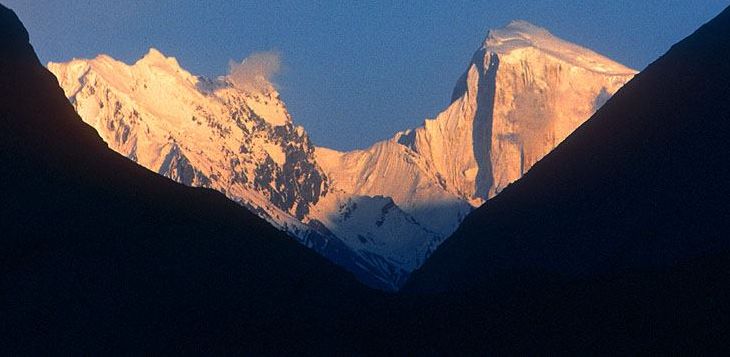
column 353, row 72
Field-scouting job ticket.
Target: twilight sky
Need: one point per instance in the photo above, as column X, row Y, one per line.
column 352, row 72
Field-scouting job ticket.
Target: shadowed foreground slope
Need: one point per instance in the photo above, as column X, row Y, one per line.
column 97, row 253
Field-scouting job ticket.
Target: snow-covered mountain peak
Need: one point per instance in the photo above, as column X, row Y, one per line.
column 156, row 64
column 520, row 35
column 154, row 57
column 520, row 28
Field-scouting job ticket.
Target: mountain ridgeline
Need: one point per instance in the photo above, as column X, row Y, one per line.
column 99, row 254
column 379, row 212
column 615, row 243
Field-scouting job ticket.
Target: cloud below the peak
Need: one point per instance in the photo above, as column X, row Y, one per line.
column 256, row 71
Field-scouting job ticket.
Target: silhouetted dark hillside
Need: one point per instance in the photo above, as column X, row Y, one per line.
column 97, row 253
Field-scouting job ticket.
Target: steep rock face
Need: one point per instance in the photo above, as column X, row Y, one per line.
column 522, row 94
column 540, row 89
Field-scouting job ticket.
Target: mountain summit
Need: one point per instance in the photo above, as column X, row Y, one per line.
column 521, row 34
column 380, row 211
column 641, row 185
